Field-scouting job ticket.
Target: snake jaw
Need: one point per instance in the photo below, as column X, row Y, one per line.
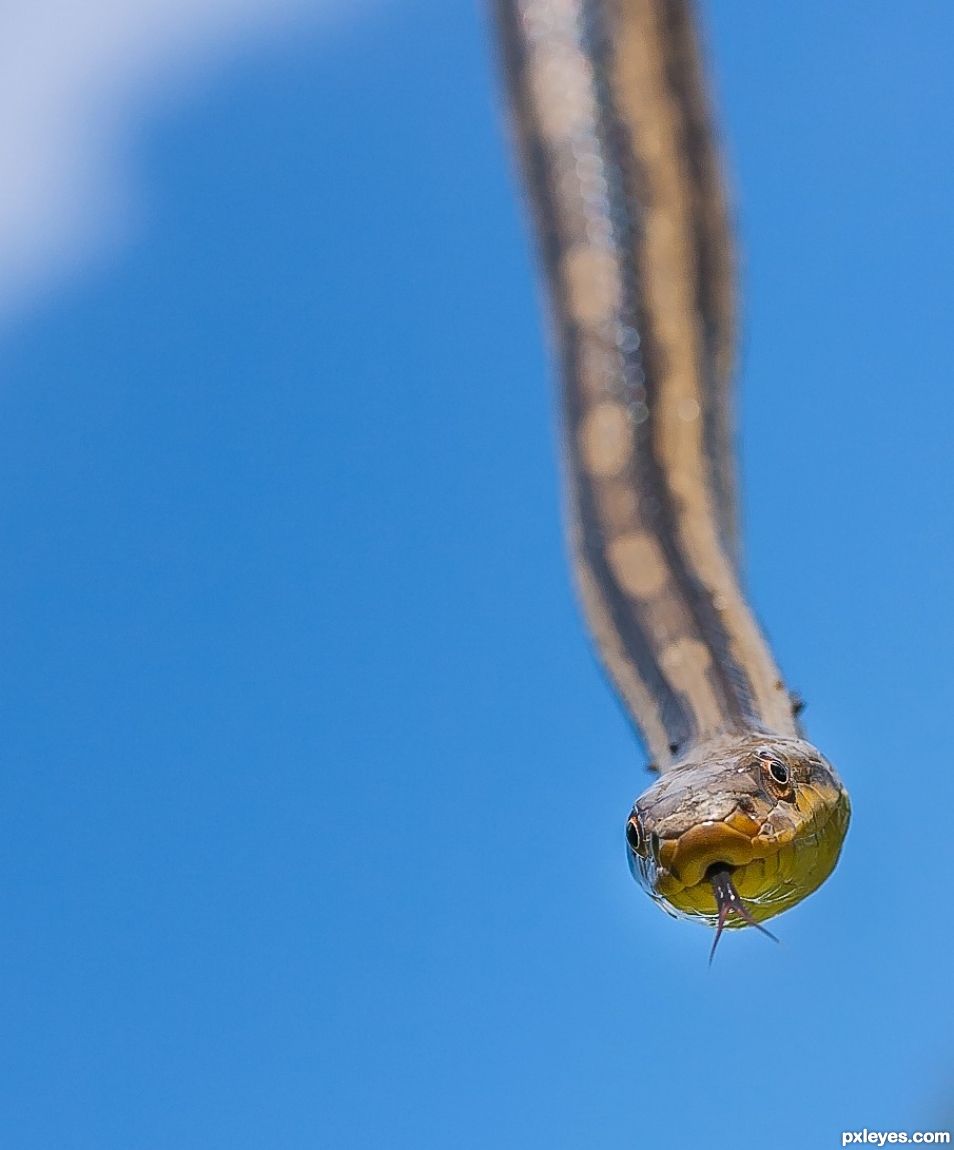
column 729, row 901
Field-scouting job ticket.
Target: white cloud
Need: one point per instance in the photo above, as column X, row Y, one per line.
column 74, row 80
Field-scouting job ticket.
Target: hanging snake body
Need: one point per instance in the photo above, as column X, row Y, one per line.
column 612, row 126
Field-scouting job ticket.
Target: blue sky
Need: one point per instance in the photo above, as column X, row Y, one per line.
column 312, row 792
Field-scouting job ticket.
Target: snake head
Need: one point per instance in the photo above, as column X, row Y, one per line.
column 769, row 812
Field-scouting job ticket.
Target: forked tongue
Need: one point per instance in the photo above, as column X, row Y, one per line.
column 729, row 901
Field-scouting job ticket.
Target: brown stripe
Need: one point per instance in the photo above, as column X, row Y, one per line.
column 654, row 118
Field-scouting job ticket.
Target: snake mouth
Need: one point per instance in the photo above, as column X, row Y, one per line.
column 754, row 865
column 685, row 861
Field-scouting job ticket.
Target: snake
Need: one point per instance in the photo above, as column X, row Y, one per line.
column 612, row 124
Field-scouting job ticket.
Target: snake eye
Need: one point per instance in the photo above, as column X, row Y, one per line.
column 634, row 835
column 779, row 772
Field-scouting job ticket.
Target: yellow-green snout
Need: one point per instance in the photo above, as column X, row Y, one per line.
column 773, row 810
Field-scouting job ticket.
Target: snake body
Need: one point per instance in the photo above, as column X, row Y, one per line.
column 612, row 126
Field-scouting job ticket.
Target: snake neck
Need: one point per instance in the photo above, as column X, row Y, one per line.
column 612, row 121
